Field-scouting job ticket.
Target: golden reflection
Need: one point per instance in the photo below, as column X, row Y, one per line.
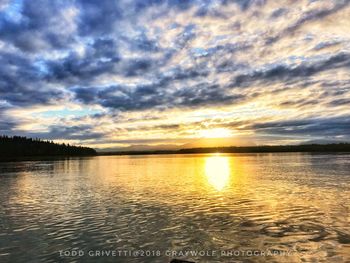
column 217, row 170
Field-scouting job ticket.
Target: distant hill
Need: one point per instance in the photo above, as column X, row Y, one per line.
column 336, row 147
column 12, row 147
column 141, row 147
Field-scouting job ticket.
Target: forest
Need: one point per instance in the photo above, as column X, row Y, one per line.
column 316, row 148
column 18, row 146
column 336, row 147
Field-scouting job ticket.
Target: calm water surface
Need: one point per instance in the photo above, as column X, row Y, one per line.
column 295, row 203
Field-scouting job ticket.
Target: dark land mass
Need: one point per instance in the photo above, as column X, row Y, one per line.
column 316, row 148
column 22, row 147
column 19, row 147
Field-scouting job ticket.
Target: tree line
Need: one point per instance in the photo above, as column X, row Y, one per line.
column 18, row 146
column 336, row 147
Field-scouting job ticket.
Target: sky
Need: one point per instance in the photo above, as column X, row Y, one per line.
column 139, row 74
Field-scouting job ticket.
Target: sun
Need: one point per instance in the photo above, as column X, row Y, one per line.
column 215, row 133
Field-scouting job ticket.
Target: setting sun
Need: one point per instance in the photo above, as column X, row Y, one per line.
column 215, row 133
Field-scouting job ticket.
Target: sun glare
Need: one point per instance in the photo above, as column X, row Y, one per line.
column 215, row 133
column 217, row 170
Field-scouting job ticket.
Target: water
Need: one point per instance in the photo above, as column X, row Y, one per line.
column 294, row 205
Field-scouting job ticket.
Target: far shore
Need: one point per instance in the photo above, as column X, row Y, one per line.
column 309, row 148
column 312, row 148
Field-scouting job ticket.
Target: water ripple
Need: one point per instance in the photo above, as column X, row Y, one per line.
column 297, row 203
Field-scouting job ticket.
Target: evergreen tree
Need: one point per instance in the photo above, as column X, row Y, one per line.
column 17, row 146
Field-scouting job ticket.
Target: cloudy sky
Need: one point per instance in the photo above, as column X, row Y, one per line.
column 128, row 73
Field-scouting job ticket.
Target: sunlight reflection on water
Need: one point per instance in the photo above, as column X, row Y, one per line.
column 217, row 169
column 296, row 202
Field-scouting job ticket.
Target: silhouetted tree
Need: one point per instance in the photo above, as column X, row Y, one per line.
column 336, row 147
column 17, row 146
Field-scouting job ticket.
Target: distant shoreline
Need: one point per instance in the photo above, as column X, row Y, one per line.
column 312, row 148
column 86, row 152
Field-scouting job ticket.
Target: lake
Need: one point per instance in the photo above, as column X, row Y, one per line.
column 206, row 208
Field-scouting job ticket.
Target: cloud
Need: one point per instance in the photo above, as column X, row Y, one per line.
column 335, row 126
column 285, row 72
column 146, row 97
column 61, row 132
column 310, row 16
column 6, row 124
column 175, row 66
column 22, row 84
column 34, row 26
